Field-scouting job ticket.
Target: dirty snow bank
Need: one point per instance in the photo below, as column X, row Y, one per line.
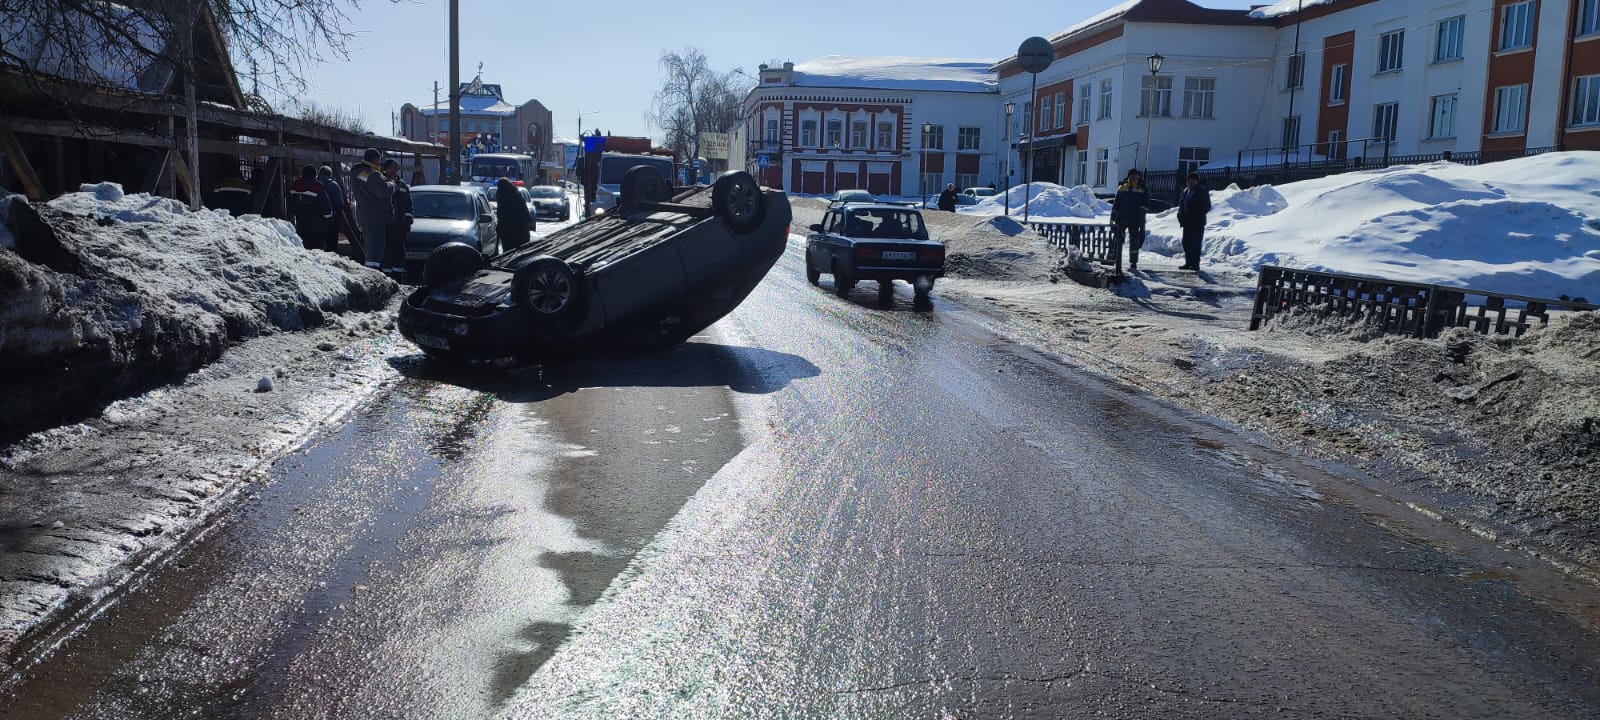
column 102, row 294
column 1045, row 201
column 1529, row 226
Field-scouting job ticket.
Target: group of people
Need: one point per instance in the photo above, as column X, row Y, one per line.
column 381, row 205
column 1132, row 205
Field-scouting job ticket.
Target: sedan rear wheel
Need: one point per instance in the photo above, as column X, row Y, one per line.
column 552, row 292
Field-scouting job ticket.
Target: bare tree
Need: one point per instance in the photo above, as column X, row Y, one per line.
column 333, row 117
column 695, row 99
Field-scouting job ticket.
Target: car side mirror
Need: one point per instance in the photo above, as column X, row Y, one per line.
column 486, row 218
column 816, row 227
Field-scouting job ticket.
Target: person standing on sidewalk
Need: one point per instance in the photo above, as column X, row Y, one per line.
column 312, row 209
column 374, row 196
column 1128, row 212
column 1193, row 205
column 947, row 199
column 341, row 212
column 394, row 252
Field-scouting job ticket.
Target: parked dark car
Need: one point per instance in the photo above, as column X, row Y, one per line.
column 449, row 214
column 664, row 265
column 550, row 201
column 874, row 241
column 851, row 196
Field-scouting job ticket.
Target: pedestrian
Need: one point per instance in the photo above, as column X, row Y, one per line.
column 394, row 252
column 947, row 199
column 341, row 211
column 232, row 193
column 512, row 221
column 312, row 210
column 1128, row 215
column 1193, row 205
column 992, row 185
column 374, row 196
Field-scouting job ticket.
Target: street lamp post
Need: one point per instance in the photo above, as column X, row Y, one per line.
column 1005, row 205
column 1150, row 110
column 927, row 129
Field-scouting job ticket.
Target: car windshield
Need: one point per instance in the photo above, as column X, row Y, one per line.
column 546, row 192
column 442, row 205
column 612, row 168
column 852, row 196
column 496, row 168
column 885, row 223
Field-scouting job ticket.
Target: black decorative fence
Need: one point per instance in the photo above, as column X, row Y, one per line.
column 1096, row 242
column 1414, row 309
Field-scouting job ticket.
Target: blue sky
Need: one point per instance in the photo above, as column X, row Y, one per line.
column 603, row 56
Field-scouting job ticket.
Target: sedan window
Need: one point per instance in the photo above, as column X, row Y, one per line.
column 886, row 223
column 444, row 206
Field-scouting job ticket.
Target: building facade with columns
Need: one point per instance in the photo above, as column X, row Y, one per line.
column 488, row 123
column 893, row 126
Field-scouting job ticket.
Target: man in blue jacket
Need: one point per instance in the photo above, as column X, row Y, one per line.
column 1128, row 215
column 1193, row 205
column 341, row 212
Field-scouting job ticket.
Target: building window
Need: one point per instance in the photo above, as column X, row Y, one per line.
column 1191, row 159
column 1338, row 84
column 1083, row 167
column 1516, row 25
column 1291, row 131
column 808, row 133
column 933, row 138
column 1061, row 110
column 772, row 131
column 1155, row 97
column 1105, row 99
column 1199, row 97
column 1450, row 41
column 1391, row 49
column 835, row 133
column 1335, row 144
column 1297, row 72
column 1102, row 167
column 964, row 181
column 932, row 180
column 1046, row 122
column 1589, row 17
column 1085, row 102
column 1586, row 101
column 968, row 138
column 1027, row 119
column 1442, row 117
column 1385, row 121
column 885, row 136
column 1510, row 109
column 858, row 134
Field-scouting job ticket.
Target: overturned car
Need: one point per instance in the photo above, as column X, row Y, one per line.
column 664, row 265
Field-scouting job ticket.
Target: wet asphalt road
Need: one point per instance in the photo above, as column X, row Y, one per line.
column 821, row 509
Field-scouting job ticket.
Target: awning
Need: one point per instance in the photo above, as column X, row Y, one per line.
column 1047, row 143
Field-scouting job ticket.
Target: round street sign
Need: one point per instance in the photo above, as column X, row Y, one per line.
column 1035, row 55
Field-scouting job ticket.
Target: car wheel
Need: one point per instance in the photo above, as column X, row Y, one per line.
column 813, row 275
column 841, row 284
column 450, row 264
column 643, row 184
column 886, row 292
column 552, row 292
column 738, row 201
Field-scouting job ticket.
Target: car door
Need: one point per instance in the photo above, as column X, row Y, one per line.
column 817, row 242
column 488, row 234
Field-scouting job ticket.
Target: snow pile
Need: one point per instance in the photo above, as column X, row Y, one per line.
column 1285, row 7
column 1529, row 226
column 106, row 293
column 898, row 73
column 1046, row 201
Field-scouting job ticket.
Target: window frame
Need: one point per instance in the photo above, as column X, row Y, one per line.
column 1107, row 98
column 1206, row 95
column 1588, row 18
column 1102, row 167
column 774, row 132
column 859, row 134
column 1528, row 11
column 1458, row 41
column 1061, row 110
column 1392, row 47
column 1027, row 119
column 1500, row 95
column 1085, row 103
column 1192, row 163
column 1336, row 148
column 1448, row 103
column 1162, row 98
column 884, row 135
column 1295, row 122
column 834, row 136
column 1339, row 85
column 933, row 139
column 1295, row 73
column 969, row 138
column 1083, row 167
column 1578, row 104
column 808, row 133
column 1390, row 134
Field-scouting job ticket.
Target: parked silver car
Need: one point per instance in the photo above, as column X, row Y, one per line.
column 446, row 214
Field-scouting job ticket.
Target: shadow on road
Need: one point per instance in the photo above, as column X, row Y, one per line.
column 745, row 370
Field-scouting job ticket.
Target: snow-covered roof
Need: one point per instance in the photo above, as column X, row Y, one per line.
column 1285, row 7
column 1112, row 13
column 898, row 73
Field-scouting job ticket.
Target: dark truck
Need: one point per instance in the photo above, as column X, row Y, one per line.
column 664, row 265
column 874, row 241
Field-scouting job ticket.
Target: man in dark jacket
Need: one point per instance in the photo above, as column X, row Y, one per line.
column 394, row 253
column 1128, row 215
column 233, row 194
column 947, row 199
column 374, row 196
column 312, row 209
column 1193, row 205
column 341, row 211
column 514, row 221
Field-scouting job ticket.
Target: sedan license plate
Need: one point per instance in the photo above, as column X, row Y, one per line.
column 437, row 343
column 899, row 255
column 416, row 256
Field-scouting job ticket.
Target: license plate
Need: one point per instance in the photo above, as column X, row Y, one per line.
column 437, row 343
column 416, row 256
column 899, row 255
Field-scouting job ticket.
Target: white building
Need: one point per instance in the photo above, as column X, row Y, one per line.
column 890, row 125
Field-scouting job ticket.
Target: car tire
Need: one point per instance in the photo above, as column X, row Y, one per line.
column 450, row 264
column 643, row 184
column 886, row 292
column 841, row 284
column 813, row 275
column 553, row 294
column 739, row 202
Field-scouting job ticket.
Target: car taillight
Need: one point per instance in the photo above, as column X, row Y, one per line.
column 517, row 183
column 932, row 255
column 864, row 253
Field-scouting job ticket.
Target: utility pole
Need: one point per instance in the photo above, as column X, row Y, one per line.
column 453, row 162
